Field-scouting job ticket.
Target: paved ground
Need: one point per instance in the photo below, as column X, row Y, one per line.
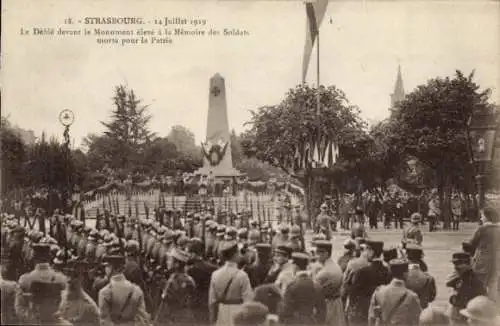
column 438, row 248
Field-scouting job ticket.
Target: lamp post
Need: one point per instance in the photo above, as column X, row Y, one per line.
column 66, row 117
column 482, row 129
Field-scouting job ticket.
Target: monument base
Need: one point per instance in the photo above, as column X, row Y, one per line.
column 226, row 173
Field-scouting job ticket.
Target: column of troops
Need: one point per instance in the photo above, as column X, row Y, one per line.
column 196, row 271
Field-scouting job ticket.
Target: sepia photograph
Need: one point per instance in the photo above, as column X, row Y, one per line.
column 250, row 163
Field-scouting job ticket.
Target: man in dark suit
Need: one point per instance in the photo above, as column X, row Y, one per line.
column 364, row 282
column 258, row 271
column 201, row 272
column 303, row 303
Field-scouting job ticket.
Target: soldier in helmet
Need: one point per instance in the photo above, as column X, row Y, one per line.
column 77, row 306
column 179, row 294
column 120, row 301
column 413, row 233
column 200, row 271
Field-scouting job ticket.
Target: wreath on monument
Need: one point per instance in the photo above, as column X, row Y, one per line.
column 214, row 152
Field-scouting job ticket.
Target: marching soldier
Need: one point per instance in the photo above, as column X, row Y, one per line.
column 120, row 301
column 323, row 222
column 178, row 295
column 394, row 304
column 303, row 303
column 229, row 287
column 201, row 272
column 413, row 234
column 76, row 305
column 417, row 280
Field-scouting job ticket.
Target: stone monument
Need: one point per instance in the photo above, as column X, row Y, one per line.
column 216, row 150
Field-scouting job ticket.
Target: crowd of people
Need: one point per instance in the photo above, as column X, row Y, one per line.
column 196, row 269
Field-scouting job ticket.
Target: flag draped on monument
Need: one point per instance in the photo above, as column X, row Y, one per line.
column 315, row 13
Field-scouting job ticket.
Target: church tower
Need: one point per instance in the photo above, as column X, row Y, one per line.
column 399, row 92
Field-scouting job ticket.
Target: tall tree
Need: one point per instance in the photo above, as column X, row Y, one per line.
column 128, row 130
column 277, row 130
column 431, row 125
column 185, row 141
column 12, row 158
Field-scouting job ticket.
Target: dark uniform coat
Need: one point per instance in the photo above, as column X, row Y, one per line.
column 422, row 284
column 79, row 309
column 303, row 303
column 201, row 272
column 258, row 272
column 178, row 300
column 364, row 282
column 467, row 286
column 133, row 272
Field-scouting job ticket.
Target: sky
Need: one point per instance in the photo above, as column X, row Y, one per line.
column 361, row 45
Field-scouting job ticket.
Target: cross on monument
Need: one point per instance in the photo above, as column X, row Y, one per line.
column 215, row 91
column 66, row 116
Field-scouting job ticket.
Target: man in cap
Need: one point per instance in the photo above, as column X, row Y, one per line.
column 42, row 272
column 413, row 233
column 229, row 287
column 420, row 282
column 466, row 286
column 179, row 294
column 120, row 301
column 281, row 262
column 394, row 304
column 303, row 303
column 201, row 272
column 259, row 269
column 348, row 255
column 363, row 282
column 329, row 279
column 77, row 306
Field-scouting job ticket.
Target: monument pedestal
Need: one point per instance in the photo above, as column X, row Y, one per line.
column 217, row 160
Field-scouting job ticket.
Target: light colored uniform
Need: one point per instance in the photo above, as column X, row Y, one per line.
column 115, row 309
column 238, row 290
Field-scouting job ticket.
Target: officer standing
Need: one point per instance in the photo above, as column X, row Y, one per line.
column 394, row 304
column 229, row 287
column 259, row 269
column 413, row 234
column 121, row 302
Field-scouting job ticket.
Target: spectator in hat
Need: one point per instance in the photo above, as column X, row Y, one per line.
column 201, row 272
column 415, row 254
column 229, row 287
column 259, row 269
column 251, row 314
column 388, row 255
column 179, row 294
column 481, row 311
column 433, row 316
column 419, row 281
column 76, row 305
column 466, row 286
column 281, row 262
column 483, row 248
column 329, row 280
column 348, row 255
column 303, row 303
column 270, row 296
column 352, row 266
column 363, row 282
column 394, row 304
column 413, row 233
column 120, row 301
column 42, row 272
